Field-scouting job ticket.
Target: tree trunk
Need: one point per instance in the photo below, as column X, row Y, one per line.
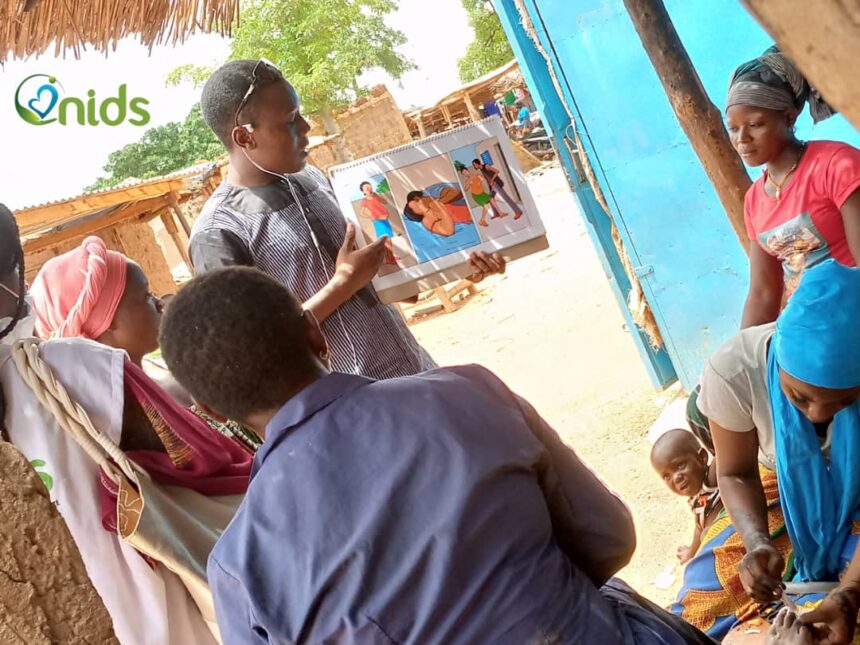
column 699, row 118
column 823, row 40
column 45, row 593
column 332, row 128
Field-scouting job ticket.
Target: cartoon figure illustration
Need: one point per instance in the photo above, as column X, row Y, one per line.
column 439, row 215
column 480, row 191
column 497, row 185
column 375, row 208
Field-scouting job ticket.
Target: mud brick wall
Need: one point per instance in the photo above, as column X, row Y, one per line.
column 370, row 125
column 373, row 126
column 45, row 594
column 323, row 155
column 135, row 239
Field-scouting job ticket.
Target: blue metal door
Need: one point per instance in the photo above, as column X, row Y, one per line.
column 692, row 269
column 557, row 122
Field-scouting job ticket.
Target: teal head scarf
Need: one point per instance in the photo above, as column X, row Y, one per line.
column 817, row 341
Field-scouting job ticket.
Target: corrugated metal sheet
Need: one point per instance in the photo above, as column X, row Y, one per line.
column 200, row 170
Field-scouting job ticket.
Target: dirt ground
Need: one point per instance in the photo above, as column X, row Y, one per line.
column 552, row 329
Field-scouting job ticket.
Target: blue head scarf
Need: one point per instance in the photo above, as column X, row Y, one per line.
column 817, row 341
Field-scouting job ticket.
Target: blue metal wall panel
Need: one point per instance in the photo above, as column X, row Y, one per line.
column 667, row 211
column 555, row 118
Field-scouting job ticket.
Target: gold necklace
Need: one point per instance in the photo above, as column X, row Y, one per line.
column 779, row 185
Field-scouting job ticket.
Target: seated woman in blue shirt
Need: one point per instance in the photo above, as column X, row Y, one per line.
column 435, row 508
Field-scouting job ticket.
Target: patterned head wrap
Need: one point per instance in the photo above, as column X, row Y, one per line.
column 771, row 81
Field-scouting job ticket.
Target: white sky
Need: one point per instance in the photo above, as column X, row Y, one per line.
column 44, row 163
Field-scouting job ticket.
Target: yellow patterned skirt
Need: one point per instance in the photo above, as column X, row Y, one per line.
column 712, row 597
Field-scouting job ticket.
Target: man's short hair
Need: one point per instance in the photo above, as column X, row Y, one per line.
column 224, row 91
column 235, row 339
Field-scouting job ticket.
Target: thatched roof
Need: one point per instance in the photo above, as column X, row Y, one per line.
column 29, row 27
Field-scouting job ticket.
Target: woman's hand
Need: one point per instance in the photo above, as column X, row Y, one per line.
column 761, row 572
column 835, row 619
column 485, row 264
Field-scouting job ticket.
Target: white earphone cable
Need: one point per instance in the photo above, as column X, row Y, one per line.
column 316, row 243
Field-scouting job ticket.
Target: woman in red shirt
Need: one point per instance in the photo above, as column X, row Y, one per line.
column 805, row 208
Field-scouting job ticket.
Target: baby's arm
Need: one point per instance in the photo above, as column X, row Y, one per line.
column 686, row 553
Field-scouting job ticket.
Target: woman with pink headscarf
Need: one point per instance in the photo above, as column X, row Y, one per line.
column 102, row 295
column 91, row 292
column 95, row 293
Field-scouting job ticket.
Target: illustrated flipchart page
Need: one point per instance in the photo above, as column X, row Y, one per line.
column 437, row 200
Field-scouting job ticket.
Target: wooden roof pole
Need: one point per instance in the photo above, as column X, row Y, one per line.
column 473, row 111
column 89, row 226
column 422, row 130
column 823, row 40
column 446, row 113
column 700, row 119
column 173, row 231
column 180, row 215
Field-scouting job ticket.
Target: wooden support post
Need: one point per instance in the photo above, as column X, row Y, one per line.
column 173, row 231
column 177, row 210
column 445, row 299
column 446, row 113
column 699, row 118
column 473, row 111
column 213, row 183
column 399, row 308
column 422, row 130
column 823, row 40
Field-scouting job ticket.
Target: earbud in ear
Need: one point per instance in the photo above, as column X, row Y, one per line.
column 248, row 127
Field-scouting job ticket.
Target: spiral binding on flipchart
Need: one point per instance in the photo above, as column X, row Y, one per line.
column 407, row 146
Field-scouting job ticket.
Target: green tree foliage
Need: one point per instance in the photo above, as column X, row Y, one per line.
column 490, row 49
column 162, row 150
column 321, row 46
column 196, row 75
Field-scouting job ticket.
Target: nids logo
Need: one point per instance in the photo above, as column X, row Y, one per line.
column 39, row 101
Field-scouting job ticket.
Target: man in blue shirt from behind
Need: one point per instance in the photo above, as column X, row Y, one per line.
column 436, row 508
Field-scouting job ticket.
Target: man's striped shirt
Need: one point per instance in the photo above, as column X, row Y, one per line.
column 292, row 230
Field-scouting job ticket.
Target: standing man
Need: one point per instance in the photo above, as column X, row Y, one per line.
column 497, row 185
column 278, row 214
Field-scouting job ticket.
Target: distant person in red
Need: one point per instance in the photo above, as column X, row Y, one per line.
column 375, row 208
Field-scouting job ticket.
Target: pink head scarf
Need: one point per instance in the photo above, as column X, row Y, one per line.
column 75, row 295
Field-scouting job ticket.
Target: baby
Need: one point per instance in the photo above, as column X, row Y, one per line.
column 683, row 463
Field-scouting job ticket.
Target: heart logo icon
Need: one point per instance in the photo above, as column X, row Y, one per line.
column 45, row 94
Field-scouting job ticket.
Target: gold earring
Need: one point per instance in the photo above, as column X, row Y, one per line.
column 324, row 355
